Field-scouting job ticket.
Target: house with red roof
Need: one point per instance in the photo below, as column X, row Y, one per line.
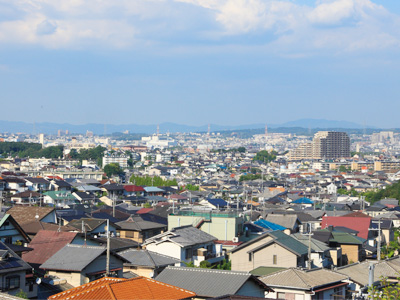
column 355, row 221
column 45, row 244
column 133, row 190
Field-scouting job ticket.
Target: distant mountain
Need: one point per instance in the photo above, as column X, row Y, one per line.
column 52, row 128
column 321, row 123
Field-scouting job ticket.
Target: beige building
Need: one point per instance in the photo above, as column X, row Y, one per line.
column 325, row 145
column 275, row 249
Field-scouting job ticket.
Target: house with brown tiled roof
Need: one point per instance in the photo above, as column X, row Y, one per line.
column 139, row 288
column 45, row 244
column 27, row 214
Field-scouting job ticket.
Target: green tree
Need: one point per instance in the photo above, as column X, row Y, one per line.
column 205, row 264
column 21, row 294
column 113, row 169
column 191, row 187
column 152, row 181
column 147, row 205
column 224, row 265
column 387, row 290
column 392, row 191
column 265, row 156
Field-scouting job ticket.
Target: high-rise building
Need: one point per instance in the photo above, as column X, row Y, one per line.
column 331, row 144
column 325, row 145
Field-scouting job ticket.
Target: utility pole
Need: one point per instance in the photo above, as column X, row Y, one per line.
column 108, row 249
column 379, row 238
column 309, row 234
column 113, row 204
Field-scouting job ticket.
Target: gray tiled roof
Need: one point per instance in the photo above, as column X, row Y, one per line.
column 73, row 257
column 301, row 279
column 147, row 258
column 205, row 282
column 316, row 245
column 287, row 221
column 289, row 242
column 359, row 271
column 184, row 236
column 136, row 223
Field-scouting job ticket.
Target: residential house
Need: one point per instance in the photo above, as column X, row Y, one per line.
column 28, row 214
column 351, row 246
column 356, row 221
column 154, row 191
column 306, row 284
column 133, row 190
column 60, row 185
column 359, row 274
column 45, row 244
column 59, row 198
column 146, row 263
column 37, row 184
column 15, row 274
column 113, row 190
column 26, row 197
column 225, row 226
column 289, row 221
column 210, row 283
column 11, row 232
column 215, row 203
column 138, row 288
column 80, row 264
column 138, row 229
column 188, row 244
column 93, row 227
column 15, row 184
column 272, row 249
column 320, row 252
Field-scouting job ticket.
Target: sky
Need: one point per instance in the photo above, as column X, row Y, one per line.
column 194, row 62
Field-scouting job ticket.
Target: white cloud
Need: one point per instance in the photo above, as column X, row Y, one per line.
column 293, row 28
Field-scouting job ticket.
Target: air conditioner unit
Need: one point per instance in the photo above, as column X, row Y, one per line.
column 235, row 239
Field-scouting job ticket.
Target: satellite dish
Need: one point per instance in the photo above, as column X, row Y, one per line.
column 38, row 281
column 151, row 275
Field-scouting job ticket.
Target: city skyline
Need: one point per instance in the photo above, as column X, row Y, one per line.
column 200, row 61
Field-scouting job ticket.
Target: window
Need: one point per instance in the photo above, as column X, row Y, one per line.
column 280, row 296
column 12, row 282
column 275, row 259
column 188, row 253
column 250, row 256
column 129, row 234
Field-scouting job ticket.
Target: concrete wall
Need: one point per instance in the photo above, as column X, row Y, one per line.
column 223, row 228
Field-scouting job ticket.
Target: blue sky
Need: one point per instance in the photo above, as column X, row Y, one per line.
column 196, row 62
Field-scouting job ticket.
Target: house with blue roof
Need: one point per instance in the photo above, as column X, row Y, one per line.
column 303, row 200
column 216, row 203
column 269, row 225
